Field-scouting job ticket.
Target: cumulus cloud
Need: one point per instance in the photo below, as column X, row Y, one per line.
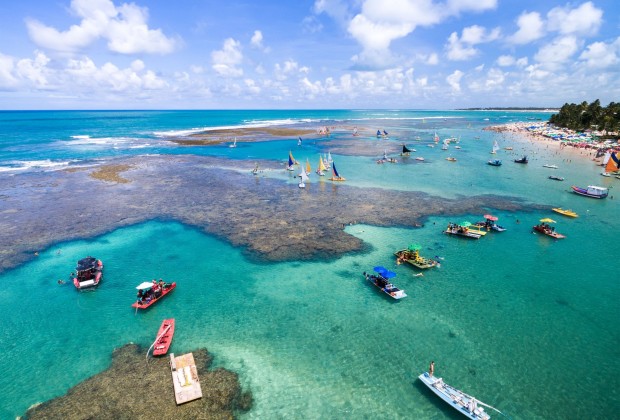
column 531, row 28
column 600, row 55
column 458, row 49
column 380, row 23
column 257, row 41
column 557, row 52
column 226, row 60
column 124, row 27
column 583, row 20
column 7, row 79
column 454, row 80
column 286, row 69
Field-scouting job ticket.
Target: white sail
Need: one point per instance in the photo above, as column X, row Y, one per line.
column 606, row 158
column 495, row 147
column 329, row 158
column 304, row 178
column 445, row 144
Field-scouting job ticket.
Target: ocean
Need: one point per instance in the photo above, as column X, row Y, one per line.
column 525, row 323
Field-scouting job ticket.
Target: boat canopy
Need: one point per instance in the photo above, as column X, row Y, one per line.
column 87, row 263
column 144, row 285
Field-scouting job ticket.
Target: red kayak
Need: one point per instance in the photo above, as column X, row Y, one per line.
column 149, row 297
column 164, row 337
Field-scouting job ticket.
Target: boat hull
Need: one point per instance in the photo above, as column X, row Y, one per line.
column 148, row 304
column 548, row 232
column 585, row 193
column 388, row 288
column 568, row 213
column 164, row 337
column 456, row 399
column 420, row 262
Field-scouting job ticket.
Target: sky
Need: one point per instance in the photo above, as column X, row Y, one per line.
column 303, row 54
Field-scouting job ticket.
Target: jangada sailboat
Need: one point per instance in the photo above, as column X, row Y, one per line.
column 308, row 168
column 406, row 151
column 321, row 167
column 304, row 177
column 234, row 143
column 335, row 175
column 495, row 147
column 291, row 162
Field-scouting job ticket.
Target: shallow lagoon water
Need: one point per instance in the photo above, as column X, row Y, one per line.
column 524, row 323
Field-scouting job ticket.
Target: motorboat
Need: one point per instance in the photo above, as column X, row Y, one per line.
column 592, row 191
column 522, row 160
column 461, row 230
column 550, row 166
column 556, row 178
column 381, row 281
column 88, row 273
column 495, row 162
column 412, row 256
column 152, row 292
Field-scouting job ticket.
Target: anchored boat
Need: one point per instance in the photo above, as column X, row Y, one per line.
column 164, row 337
column 592, row 191
column 151, row 292
column 568, row 213
column 460, row 401
column 88, row 273
column 380, row 280
column 412, row 256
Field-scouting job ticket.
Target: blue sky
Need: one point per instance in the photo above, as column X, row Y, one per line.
column 190, row 54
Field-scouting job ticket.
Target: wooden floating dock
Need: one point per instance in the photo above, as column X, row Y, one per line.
column 185, row 378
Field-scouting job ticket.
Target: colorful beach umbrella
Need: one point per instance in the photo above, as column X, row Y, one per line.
column 414, row 247
column 490, row 217
column 465, row 224
column 547, row 220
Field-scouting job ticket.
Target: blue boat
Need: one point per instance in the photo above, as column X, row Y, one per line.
column 381, row 281
column 495, row 162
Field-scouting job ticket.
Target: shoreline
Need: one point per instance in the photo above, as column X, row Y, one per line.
column 519, row 132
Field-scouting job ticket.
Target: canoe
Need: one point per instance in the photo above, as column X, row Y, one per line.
column 164, row 337
column 460, row 401
column 568, row 213
column 169, row 288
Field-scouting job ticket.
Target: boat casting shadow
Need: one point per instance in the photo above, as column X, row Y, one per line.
column 437, row 402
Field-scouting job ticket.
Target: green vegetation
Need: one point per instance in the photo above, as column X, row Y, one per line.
column 584, row 116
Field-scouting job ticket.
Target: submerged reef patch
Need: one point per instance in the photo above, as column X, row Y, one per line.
column 134, row 389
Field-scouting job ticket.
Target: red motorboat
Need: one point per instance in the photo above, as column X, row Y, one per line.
column 151, row 292
column 547, row 230
column 88, row 273
column 164, row 337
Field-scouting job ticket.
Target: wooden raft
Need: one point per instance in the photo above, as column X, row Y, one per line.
column 185, row 378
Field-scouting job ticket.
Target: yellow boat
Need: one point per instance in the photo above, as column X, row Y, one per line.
column 568, row 213
column 413, row 257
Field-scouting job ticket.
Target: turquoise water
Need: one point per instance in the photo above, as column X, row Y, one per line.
column 526, row 324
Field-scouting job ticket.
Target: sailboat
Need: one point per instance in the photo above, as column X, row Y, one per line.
column 612, row 164
column 329, row 159
column 321, row 167
column 308, row 168
column 291, row 162
column 299, row 142
column 436, row 138
column 406, row 151
column 495, row 147
column 255, row 170
column 234, row 144
column 335, row 175
column 355, row 131
column 304, row 177
column 445, row 144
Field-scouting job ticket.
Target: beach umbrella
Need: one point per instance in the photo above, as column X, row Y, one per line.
column 465, row 224
column 414, row 247
column 145, row 285
column 489, row 217
column 380, row 269
column 547, row 220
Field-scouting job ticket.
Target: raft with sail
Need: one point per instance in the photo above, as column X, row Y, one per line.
column 335, row 175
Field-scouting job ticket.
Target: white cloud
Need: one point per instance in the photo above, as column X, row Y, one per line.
column 7, row 79
column 583, row 20
column 34, row 70
column 226, row 60
column 433, row 59
column 454, row 80
column 124, row 28
column 380, row 22
column 505, row 60
column 531, row 28
column 459, row 49
column 257, row 41
column 252, row 87
column 600, row 55
column 557, row 52
column 283, row 71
